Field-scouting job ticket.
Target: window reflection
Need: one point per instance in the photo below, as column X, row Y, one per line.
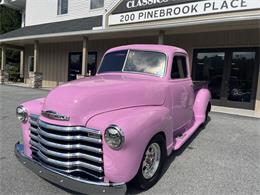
column 210, row 67
column 241, row 76
column 146, row 62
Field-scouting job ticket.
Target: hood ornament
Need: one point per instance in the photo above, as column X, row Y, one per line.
column 54, row 115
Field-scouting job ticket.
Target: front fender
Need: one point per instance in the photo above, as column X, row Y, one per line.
column 33, row 107
column 139, row 124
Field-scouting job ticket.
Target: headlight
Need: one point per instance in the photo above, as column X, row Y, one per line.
column 21, row 113
column 114, row 137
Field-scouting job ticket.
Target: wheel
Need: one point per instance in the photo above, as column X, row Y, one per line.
column 152, row 163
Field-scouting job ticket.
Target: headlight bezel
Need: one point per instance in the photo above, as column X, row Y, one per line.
column 23, row 114
column 120, row 132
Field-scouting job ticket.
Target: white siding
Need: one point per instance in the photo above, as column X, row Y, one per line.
column 45, row 11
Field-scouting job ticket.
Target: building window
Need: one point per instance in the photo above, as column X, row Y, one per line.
column 94, row 4
column 179, row 67
column 62, row 7
column 31, row 64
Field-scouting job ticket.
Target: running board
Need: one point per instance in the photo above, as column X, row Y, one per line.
column 181, row 140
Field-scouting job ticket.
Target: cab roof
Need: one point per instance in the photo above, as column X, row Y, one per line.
column 167, row 49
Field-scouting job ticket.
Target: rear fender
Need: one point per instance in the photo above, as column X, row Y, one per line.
column 201, row 103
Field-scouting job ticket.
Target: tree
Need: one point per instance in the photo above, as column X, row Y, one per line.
column 10, row 20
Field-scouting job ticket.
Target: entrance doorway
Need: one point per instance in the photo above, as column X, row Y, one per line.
column 231, row 74
column 75, row 64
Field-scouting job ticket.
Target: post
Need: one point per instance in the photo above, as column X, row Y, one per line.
column 161, row 37
column 22, row 63
column 35, row 76
column 85, row 57
column 3, row 63
column 36, row 56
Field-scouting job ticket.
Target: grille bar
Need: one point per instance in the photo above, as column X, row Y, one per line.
column 69, row 164
column 66, row 156
column 68, row 146
column 69, row 138
column 71, row 150
column 67, row 129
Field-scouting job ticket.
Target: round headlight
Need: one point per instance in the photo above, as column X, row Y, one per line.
column 21, row 113
column 114, row 137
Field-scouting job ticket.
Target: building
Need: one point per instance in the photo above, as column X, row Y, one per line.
column 62, row 40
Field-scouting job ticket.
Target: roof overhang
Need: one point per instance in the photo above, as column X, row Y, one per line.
column 238, row 20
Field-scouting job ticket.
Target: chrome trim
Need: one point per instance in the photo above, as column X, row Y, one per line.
column 70, row 164
column 68, row 155
column 33, row 122
column 68, row 146
column 24, row 120
column 54, row 115
column 34, row 117
column 68, row 182
column 33, row 130
column 68, row 138
column 67, row 129
column 121, row 133
column 62, row 150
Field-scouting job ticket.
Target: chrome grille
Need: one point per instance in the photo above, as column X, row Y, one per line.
column 76, row 151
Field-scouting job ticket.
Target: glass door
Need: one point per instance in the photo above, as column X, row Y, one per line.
column 231, row 74
column 210, row 66
column 75, row 65
column 242, row 79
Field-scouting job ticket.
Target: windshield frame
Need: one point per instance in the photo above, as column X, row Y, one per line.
column 134, row 72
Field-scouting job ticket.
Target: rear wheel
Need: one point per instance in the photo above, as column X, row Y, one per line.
column 152, row 163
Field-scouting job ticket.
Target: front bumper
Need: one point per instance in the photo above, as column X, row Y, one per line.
column 65, row 181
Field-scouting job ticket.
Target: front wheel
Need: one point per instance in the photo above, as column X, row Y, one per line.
column 152, row 163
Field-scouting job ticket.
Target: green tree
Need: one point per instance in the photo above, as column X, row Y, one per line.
column 10, row 20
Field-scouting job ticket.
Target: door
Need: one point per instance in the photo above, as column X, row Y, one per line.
column 241, row 82
column 231, row 74
column 181, row 90
column 75, row 65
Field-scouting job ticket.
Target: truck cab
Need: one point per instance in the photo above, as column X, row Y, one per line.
column 96, row 134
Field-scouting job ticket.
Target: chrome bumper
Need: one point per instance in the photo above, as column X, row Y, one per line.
column 74, row 184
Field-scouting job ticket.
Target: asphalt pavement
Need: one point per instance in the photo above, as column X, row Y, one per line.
column 223, row 158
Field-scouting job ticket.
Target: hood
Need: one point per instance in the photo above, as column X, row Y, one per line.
column 84, row 98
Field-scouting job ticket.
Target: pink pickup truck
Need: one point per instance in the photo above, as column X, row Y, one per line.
column 95, row 134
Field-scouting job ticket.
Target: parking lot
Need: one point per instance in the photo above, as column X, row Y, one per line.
column 223, row 158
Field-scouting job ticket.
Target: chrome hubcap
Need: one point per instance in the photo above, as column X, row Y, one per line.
column 151, row 160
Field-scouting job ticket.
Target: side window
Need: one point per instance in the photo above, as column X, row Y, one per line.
column 94, row 4
column 62, row 7
column 179, row 67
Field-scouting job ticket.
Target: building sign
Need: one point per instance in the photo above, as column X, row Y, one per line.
column 133, row 11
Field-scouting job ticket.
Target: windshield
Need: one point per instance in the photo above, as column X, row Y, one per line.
column 147, row 62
